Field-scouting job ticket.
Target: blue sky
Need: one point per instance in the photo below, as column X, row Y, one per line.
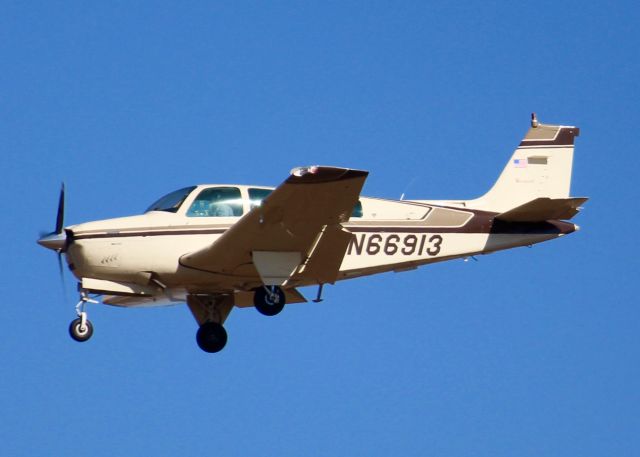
column 528, row 352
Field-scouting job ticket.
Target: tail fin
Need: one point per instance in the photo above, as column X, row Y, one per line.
column 540, row 167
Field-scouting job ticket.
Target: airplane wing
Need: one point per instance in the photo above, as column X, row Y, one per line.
column 542, row 209
column 295, row 233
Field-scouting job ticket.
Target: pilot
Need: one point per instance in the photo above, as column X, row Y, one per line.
column 199, row 208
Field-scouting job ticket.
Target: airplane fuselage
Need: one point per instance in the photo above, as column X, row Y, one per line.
column 387, row 235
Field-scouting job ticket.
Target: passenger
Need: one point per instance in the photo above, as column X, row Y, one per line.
column 218, row 208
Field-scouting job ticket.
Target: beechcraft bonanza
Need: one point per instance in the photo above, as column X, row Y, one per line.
column 219, row 246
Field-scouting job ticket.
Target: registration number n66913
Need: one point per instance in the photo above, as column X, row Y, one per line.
column 395, row 244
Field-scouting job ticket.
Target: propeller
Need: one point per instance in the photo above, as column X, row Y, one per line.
column 60, row 215
column 57, row 240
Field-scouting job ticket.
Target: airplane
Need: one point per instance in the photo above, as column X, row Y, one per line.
column 216, row 247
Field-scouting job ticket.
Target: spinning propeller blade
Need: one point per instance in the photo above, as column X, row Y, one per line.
column 56, row 240
column 60, row 216
column 61, row 269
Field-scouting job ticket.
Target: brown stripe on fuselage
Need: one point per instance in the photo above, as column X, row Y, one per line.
column 481, row 222
column 565, row 137
column 496, row 228
column 532, row 228
column 148, row 233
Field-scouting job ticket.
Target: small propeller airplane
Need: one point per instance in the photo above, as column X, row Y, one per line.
column 219, row 246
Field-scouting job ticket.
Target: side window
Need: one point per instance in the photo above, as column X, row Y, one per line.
column 357, row 210
column 256, row 196
column 217, row 202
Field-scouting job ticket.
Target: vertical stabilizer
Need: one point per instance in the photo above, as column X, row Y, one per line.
column 539, row 167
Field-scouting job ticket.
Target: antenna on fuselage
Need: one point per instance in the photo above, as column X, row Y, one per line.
column 407, row 187
column 318, row 298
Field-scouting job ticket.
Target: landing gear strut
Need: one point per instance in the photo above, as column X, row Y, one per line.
column 269, row 300
column 81, row 328
column 210, row 311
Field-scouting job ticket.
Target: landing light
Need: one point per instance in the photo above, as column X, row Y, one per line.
column 301, row 171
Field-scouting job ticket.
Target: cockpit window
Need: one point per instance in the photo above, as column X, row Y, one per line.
column 217, row 202
column 357, row 210
column 171, row 202
column 257, row 195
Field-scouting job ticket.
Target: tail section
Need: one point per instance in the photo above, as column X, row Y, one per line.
column 539, row 168
column 542, row 209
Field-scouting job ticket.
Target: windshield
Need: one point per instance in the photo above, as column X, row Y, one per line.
column 171, row 202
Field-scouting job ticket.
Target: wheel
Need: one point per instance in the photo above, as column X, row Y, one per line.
column 269, row 300
column 211, row 337
column 79, row 334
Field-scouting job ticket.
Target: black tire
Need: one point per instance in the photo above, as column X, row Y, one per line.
column 267, row 303
column 77, row 334
column 211, row 337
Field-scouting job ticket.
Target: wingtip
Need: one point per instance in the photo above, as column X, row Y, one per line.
column 318, row 174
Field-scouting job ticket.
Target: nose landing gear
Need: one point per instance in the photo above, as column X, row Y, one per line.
column 81, row 328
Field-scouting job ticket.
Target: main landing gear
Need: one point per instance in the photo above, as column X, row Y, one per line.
column 211, row 337
column 81, row 328
column 269, row 300
column 211, row 310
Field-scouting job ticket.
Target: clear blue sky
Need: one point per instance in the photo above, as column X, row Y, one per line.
column 530, row 352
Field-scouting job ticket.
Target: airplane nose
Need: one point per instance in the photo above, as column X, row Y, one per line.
column 53, row 241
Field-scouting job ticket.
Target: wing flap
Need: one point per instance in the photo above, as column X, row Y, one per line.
column 275, row 268
column 289, row 220
column 323, row 263
column 542, row 209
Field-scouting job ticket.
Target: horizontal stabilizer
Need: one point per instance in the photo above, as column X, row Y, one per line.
column 542, row 209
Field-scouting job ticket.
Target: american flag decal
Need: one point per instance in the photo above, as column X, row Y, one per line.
column 520, row 163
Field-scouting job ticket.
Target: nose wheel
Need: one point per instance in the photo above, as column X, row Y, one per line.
column 81, row 328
